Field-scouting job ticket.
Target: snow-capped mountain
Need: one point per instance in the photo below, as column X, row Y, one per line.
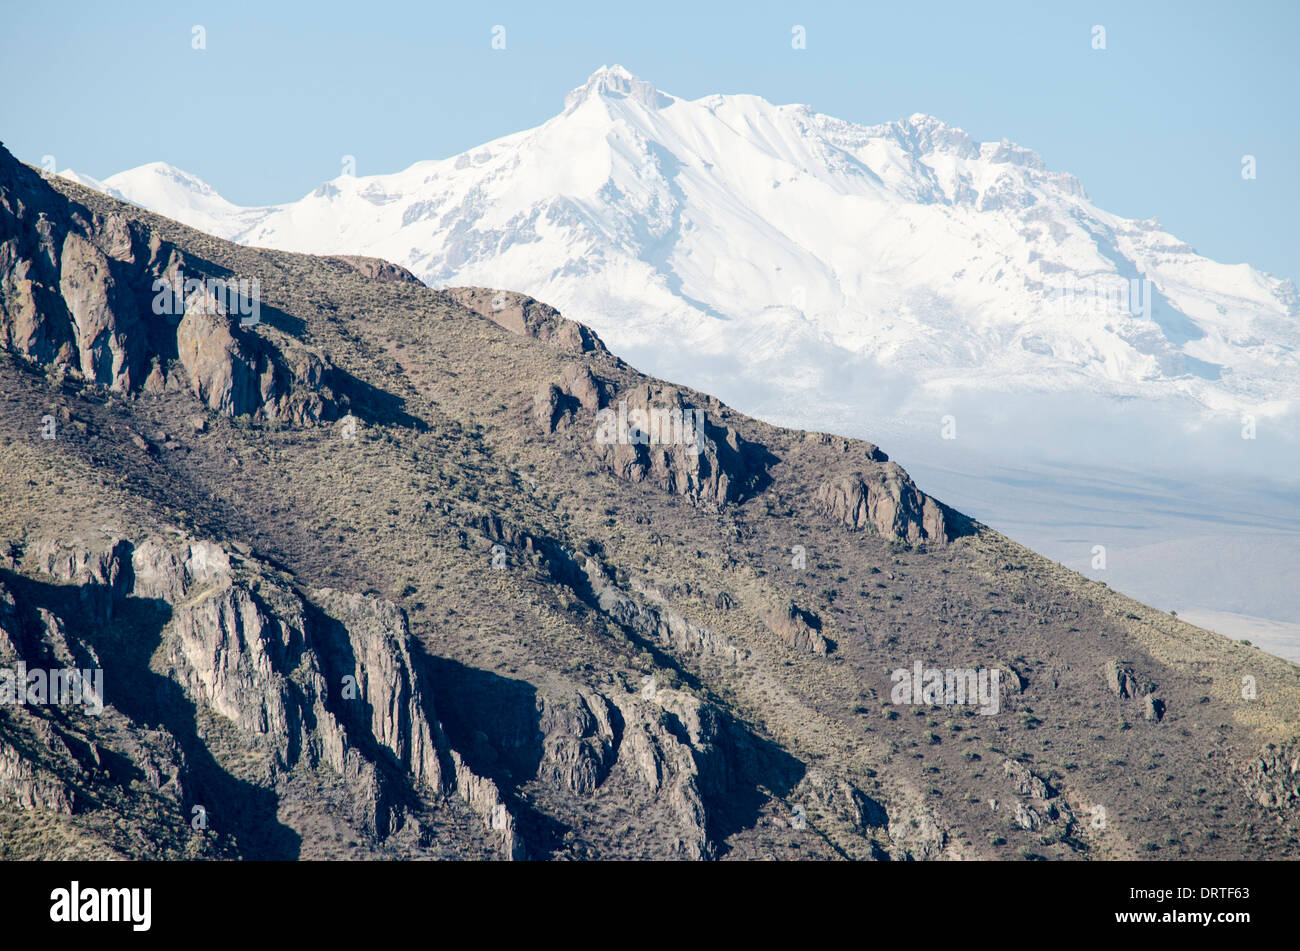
column 801, row 251
column 903, row 283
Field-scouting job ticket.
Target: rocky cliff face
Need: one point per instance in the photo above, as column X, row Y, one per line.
column 64, row 301
column 561, row 404
column 307, row 681
column 655, row 435
column 80, row 294
column 65, row 753
column 327, row 679
column 884, row 499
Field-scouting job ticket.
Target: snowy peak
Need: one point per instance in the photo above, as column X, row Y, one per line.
column 798, row 250
column 160, row 181
column 89, row 182
column 924, row 135
column 614, row 83
column 170, row 191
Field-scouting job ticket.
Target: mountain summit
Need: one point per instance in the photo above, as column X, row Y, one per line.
column 615, row 82
column 801, row 252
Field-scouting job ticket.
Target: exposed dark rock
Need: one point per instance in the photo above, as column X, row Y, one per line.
column 330, row 681
column 1153, row 708
column 651, row 433
column 1025, row 782
column 1123, row 682
column 557, row 405
column 80, row 293
column 521, row 314
column 832, row 795
column 886, row 500
column 377, row 269
column 1272, row 778
column 798, row 628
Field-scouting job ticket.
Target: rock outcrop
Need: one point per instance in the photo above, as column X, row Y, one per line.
column 832, row 796
column 106, row 302
column 1025, row 782
column 327, row 678
column 26, row 787
column 916, row 835
column 522, row 315
column 64, row 301
column 386, row 682
column 667, row 767
column 485, row 799
column 797, row 628
column 1125, row 685
column 660, row 624
column 377, row 269
column 579, row 740
column 885, row 499
column 102, row 575
column 642, row 611
column 652, row 434
column 1121, row 680
column 64, row 749
column 234, row 372
column 293, row 680
column 1040, row 805
column 1153, row 708
column 1272, row 778
column 556, row 405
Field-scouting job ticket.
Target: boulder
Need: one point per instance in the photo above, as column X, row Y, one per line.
column 885, row 499
column 797, row 628
column 1121, row 680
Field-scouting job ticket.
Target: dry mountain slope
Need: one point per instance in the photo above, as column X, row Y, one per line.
column 363, row 582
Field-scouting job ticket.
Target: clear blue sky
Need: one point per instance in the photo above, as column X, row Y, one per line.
column 1155, row 125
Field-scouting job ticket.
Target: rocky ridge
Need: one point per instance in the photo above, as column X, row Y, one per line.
column 457, row 623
